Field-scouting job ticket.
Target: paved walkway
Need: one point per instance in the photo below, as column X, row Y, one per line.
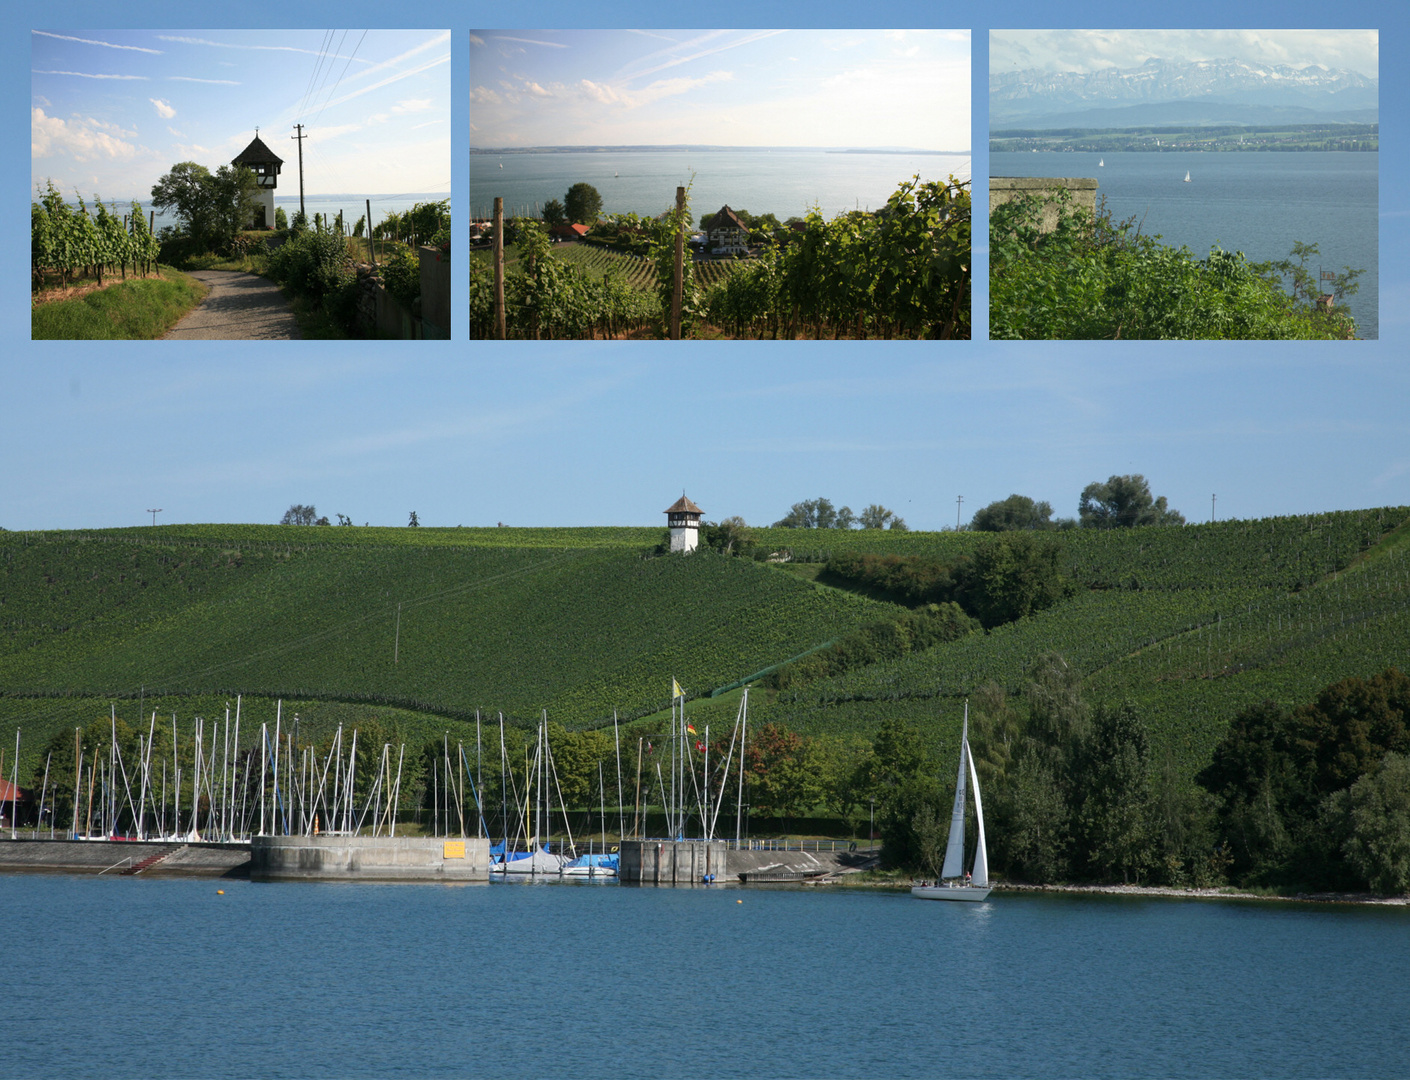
column 239, row 307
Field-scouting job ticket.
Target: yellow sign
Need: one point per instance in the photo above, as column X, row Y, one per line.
column 455, row 849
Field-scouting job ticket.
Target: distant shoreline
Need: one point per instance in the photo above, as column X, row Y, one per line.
column 505, row 151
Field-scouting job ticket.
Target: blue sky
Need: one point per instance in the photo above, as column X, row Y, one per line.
column 721, row 87
column 584, row 433
column 111, row 111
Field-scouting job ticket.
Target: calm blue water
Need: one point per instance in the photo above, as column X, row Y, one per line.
column 783, row 182
column 166, row 978
column 1257, row 203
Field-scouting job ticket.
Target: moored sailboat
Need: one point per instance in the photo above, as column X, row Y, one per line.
column 954, row 883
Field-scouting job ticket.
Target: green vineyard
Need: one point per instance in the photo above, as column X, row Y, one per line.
column 425, row 625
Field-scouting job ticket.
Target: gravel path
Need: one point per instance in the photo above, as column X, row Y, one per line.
column 239, row 307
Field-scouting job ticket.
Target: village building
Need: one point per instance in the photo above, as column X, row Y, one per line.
column 568, row 232
column 683, row 519
column 261, row 160
column 728, row 235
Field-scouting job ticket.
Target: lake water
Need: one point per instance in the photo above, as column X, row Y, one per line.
column 1257, row 203
column 167, row 978
column 787, row 183
column 352, row 206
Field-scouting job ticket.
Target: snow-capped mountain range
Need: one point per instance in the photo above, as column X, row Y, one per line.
column 1202, row 91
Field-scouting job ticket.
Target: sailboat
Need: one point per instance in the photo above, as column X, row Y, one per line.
column 1187, row 176
column 973, row 886
column 1101, row 162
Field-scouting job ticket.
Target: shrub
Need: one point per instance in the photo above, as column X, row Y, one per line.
column 402, row 276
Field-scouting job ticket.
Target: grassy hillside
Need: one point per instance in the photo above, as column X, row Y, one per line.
column 421, row 627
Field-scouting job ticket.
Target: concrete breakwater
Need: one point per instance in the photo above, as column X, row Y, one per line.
column 169, row 858
column 694, row 862
column 365, row 858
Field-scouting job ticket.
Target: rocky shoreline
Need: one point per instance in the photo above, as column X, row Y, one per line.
column 1210, row 894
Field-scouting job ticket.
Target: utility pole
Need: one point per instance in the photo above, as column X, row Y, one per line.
column 299, row 138
column 154, row 514
column 1211, row 506
column 959, row 502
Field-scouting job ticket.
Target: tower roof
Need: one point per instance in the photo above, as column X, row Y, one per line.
column 257, row 154
column 683, row 506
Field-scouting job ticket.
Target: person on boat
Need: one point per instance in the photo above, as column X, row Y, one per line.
column 966, row 877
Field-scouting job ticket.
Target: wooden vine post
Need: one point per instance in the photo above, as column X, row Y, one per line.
column 678, row 283
column 499, row 328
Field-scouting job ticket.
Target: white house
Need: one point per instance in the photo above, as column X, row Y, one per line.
column 728, row 235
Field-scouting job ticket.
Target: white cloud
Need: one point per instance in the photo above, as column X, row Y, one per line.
column 537, row 90
column 83, row 138
column 90, row 41
column 164, row 109
column 178, row 134
column 485, row 96
column 89, row 75
column 412, row 105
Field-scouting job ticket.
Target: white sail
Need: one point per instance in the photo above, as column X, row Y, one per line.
column 980, row 875
column 954, row 849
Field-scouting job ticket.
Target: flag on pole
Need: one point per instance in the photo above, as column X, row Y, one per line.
column 690, row 728
column 676, row 690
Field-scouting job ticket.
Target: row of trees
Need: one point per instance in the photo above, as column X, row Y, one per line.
column 819, row 513
column 1089, row 277
column 66, row 241
column 1312, row 797
column 1119, row 502
column 299, row 514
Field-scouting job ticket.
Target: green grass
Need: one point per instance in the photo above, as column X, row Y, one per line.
column 139, row 310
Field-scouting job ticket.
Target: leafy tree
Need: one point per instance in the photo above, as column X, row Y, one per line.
column 1124, row 502
column 730, row 537
column 582, row 204
column 299, row 223
column 1376, row 812
column 809, row 514
column 212, row 207
column 1011, row 576
column 1114, row 770
column 553, row 213
column 1015, row 512
column 298, row 514
column 876, row 516
column 781, row 780
column 281, row 219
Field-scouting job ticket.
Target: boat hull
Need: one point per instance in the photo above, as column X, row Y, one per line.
column 972, row 893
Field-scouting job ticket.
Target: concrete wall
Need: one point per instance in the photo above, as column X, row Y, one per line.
column 1082, row 192
column 435, row 293
column 668, row 862
column 114, row 856
column 364, row 858
column 380, row 315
